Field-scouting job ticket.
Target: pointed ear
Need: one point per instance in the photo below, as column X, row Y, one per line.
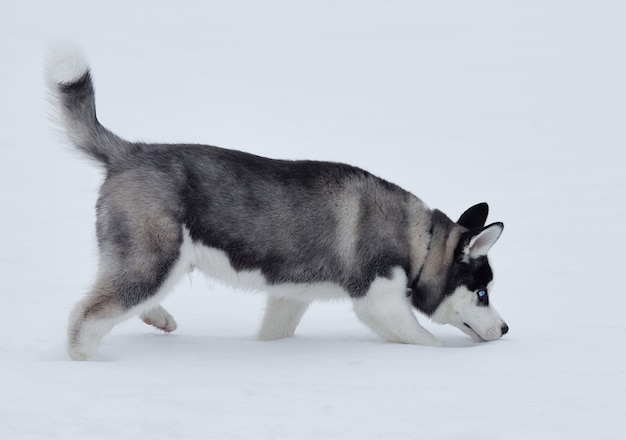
column 474, row 217
column 476, row 243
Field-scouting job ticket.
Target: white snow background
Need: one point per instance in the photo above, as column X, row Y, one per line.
column 521, row 104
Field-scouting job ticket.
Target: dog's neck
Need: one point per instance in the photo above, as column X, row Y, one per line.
column 420, row 233
column 438, row 253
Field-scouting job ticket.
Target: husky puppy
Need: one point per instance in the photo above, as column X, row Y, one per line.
column 297, row 230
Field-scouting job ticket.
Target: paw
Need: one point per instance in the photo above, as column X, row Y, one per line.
column 436, row 343
column 160, row 318
column 274, row 334
column 82, row 354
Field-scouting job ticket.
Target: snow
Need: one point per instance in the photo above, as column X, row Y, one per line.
column 521, row 104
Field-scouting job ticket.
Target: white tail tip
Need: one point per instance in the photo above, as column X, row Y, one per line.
column 65, row 63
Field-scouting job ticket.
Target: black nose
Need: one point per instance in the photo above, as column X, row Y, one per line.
column 505, row 329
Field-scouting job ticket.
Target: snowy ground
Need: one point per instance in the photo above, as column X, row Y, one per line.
column 519, row 104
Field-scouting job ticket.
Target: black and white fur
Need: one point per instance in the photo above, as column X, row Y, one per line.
column 297, row 230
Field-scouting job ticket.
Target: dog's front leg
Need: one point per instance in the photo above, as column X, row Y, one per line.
column 386, row 309
column 282, row 316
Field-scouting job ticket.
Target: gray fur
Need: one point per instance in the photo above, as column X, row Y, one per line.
column 296, row 222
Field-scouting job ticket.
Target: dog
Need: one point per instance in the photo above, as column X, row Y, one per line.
column 297, row 230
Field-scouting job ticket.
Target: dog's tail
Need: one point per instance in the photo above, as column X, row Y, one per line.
column 72, row 94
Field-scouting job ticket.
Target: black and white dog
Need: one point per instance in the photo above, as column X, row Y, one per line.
column 297, row 230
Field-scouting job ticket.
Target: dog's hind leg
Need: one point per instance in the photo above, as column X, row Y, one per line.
column 281, row 318
column 91, row 319
column 140, row 261
column 388, row 312
column 114, row 299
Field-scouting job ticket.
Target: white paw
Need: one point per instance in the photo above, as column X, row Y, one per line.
column 160, row 318
column 80, row 354
column 273, row 334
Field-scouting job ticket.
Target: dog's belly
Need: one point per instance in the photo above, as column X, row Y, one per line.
column 215, row 264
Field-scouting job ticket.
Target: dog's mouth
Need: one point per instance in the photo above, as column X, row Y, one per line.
column 472, row 333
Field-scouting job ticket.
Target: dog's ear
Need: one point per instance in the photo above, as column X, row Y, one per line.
column 474, row 217
column 477, row 242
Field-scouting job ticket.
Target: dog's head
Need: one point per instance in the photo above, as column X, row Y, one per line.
column 453, row 286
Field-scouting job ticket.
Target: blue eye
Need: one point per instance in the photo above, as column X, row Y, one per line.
column 483, row 297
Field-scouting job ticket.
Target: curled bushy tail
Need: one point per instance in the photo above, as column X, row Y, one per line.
column 72, row 93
